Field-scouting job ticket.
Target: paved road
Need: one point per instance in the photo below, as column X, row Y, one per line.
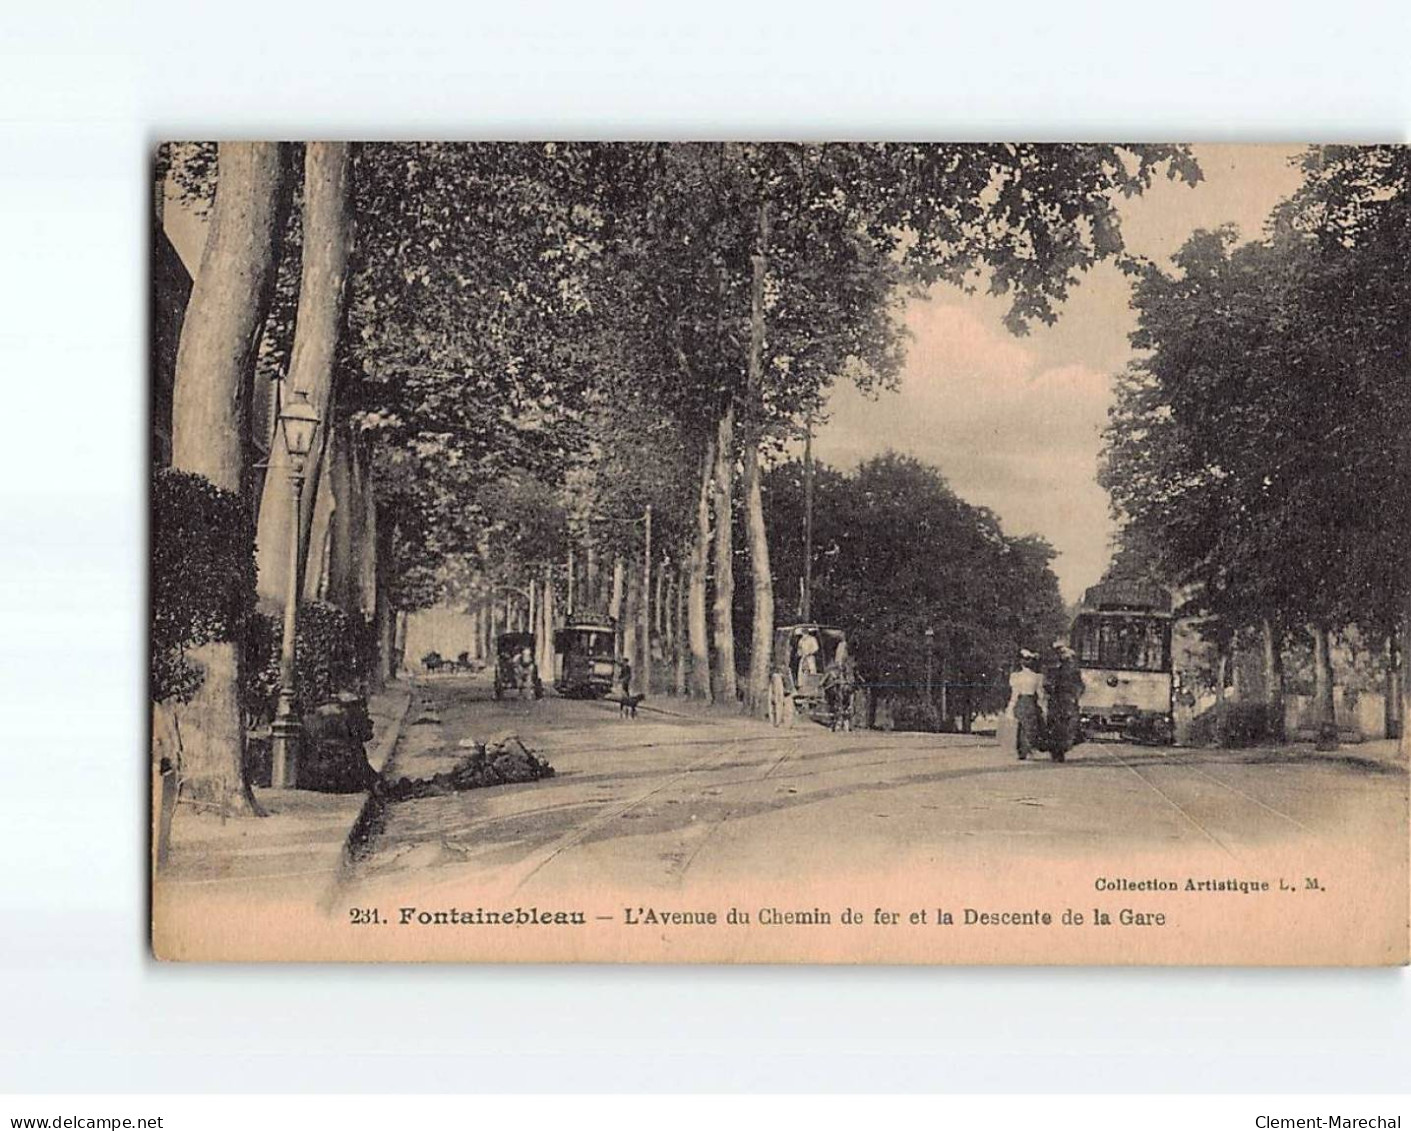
column 677, row 793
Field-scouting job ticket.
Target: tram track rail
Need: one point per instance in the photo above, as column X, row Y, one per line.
column 1184, row 808
column 1239, row 792
column 751, row 796
column 615, row 811
column 1170, row 801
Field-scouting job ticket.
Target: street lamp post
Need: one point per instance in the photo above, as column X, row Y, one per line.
column 298, row 420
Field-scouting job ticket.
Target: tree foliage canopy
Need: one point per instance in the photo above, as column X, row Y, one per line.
column 1255, row 451
column 898, row 552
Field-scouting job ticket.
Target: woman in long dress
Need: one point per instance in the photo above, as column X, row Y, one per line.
column 1026, row 703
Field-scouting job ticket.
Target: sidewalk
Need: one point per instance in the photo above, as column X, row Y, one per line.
column 388, row 709
column 1383, row 752
column 299, row 845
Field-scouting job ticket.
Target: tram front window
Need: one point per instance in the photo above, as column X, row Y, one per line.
column 597, row 644
column 1123, row 643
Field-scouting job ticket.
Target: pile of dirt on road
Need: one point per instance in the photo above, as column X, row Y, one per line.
column 501, row 762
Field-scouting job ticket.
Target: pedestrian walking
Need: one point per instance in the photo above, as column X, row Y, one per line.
column 1063, row 685
column 625, row 671
column 1026, row 703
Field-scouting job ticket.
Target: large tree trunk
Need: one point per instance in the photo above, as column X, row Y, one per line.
column 210, row 409
column 369, row 567
column 399, row 640
column 327, row 240
column 632, row 622
column 1324, row 711
column 345, row 524
column 727, row 689
column 806, row 582
column 762, row 633
column 593, row 598
column 318, row 547
column 615, row 601
column 384, row 619
column 328, row 224
column 1392, row 693
column 665, row 611
column 1405, row 627
column 645, row 585
column 545, row 629
column 615, row 597
column 1273, row 680
column 697, row 627
column 678, row 628
column 661, row 631
column 384, row 612
column 1405, row 684
column 1222, row 671
column 762, row 577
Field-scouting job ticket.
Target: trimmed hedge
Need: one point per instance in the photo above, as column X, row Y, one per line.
column 333, row 651
column 203, row 576
column 203, row 591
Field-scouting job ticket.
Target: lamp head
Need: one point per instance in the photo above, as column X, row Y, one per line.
column 299, row 420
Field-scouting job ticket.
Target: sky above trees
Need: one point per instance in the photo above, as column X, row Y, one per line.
column 1015, row 423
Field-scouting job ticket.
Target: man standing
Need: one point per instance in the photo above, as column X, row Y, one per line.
column 1064, row 687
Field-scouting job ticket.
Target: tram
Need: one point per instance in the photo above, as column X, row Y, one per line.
column 585, row 659
column 1122, row 635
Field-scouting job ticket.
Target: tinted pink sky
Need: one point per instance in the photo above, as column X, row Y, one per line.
column 1015, row 423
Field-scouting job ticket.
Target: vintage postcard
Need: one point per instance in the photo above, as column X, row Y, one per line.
column 780, row 552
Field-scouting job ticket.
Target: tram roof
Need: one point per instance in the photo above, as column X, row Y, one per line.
column 589, row 624
column 1127, row 596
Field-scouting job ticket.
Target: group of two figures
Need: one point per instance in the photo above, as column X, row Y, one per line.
column 1043, row 702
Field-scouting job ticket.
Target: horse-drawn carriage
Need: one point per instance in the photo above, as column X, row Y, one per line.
column 515, row 666
column 437, row 664
column 813, row 675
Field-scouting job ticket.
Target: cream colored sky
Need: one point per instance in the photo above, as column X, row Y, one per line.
column 1015, row 423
